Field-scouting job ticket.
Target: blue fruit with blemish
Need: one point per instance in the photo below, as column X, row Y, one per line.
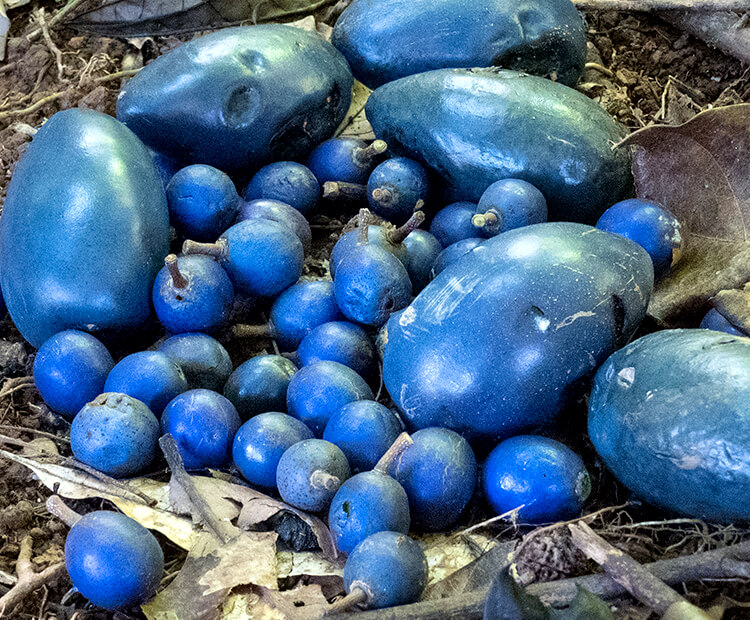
column 203, row 360
column 239, row 98
column 116, row 434
column 321, row 389
column 342, row 342
column 113, row 560
column 423, row 249
column 70, row 369
column 309, row 474
column 395, row 186
column 280, row 212
column 509, row 204
column 203, row 424
column 260, row 384
column 453, row 223
column 261, row 441
column 343, row 159
column 381, row 236
column 287, row 182
column 150, row 376
column 454, row 252
column 713, row 319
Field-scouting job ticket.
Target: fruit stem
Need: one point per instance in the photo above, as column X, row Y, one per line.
column 339, row 190
column 320, row 479
column 397, row 235
column 363, row 219
column 382, row 195
column 403, row 441
column 62, row 511
column 480, row 220
column 178, row 279
column 365, row 155
column 242, row 330
column 356, row 596
column 217, row 250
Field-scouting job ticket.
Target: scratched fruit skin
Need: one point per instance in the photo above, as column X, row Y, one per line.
column 239, row 98
column 668, row 414
column 500, row 341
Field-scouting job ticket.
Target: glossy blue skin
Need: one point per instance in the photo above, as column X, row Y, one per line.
column 342, row 342
column 439, row 474
column 204, row 304
column 364, row 430
column 70, row 369
column 116, row 434
column 84, row 230
column 515, row 202
column 713, row 319
column 406, row 179
column 390, row 567
column 453, row 223
column 370, row 284
column 300, row 309
column 390, row 39
column 423, row 249
column 453, row 252
column 376, row 236
column 476, row 126
column 501, row 340
column 278, row 212
column 165, row 166
column 203, row 424
column 203, row 360
column 668, row 415
column 264, row 257
column 367, row 503
column 261, row 441
column 333, row 160
column 260, row 385
column 545, row 475
column 3, row 308
column 113, row 560
column 150, row 376
column 320, row 390
column 288, row 182
column 294, row 474
column 202, row 202
column 239, row 98
column 651, row 226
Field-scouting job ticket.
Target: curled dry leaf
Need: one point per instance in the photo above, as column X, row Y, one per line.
column 447, row 553
column 355, row 123
column 734, row 305
column 699, row 171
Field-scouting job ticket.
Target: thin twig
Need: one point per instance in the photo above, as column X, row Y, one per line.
column 706, row 6
column 23, row 429
column 51, row 44
column 72, row 5
column 35, row 106
column 512, row 514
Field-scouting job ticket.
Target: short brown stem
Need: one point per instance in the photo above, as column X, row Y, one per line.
column 217, row 250
column 397, row 235
column 62, row 511
column 356, row 596
column 480, row 220
column 382, row 195
column 403, row 441
column 242, row 330
column 339, row 190
column 363, row 225
column 178, row 279
column 320, row 479
column 365, row 155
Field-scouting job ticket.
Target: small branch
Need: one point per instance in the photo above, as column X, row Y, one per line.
column 339, row 190
column 35, row 106
column 116, row 76
column 218, row 250
column 397, row 235
column 51, row 44
column 356, row 596
column 706, row 6
column 242, row 330
column 402, row 442
column 57, row 507
column 366, row 155
column 178, row 279
column 15, row 384
column 72, row 5
column 363, row 226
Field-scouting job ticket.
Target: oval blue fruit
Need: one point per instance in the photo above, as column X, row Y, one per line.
column 342, row 342
column 203, row 360
column 84, row 229
column 287, row 182
column 240, row 97
column 500, row 341
column 476, row 126
column 280, row 212
column 423, row 249
column 453, row 223
column 260, row 385
column 454, row 252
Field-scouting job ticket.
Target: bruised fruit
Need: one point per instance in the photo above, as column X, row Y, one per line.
column 203, row 359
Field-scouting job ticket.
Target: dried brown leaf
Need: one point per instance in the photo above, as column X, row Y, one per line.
column 734, row 305
column 448, row 553
column 355, row 123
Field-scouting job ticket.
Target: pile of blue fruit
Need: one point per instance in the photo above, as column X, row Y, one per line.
column 421, row 379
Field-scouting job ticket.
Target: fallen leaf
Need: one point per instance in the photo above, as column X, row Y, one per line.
column 699, row 171
column 585, row 606
column 301, row 603
column 734, row 305
column 447, row 553
column 355, row 123
column 295, row 564
column 507, row 599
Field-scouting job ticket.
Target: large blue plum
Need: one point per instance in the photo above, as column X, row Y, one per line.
column 500, row 341
column 384, row 40
column 476, row 126
column 84, row 231
column 240, row 98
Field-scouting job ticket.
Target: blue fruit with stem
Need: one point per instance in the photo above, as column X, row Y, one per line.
column 423, row 249
column 509, row 204
column 260, row 384
column 453, row 252
column 260, row 442
column 192, row 294
column 342, row 342
column 287, row 182
column 70, row 369
column 453, row 223
column 395, row 187
column 280, row 212
column 345, row 159
column 203, row 360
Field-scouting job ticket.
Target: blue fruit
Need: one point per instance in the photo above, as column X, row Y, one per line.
column 116, row 434
column 239, row 98
column 278, row 212
column 287, row 182
column 203, row 360
column 423, row 249
column 651, row 226
column 309, row 474
column 453, row 252
column 543, row 475
column 365, row 504
column 70, row 369
column 261, row 441
column 342, row 342
column 113, row 560
column 150, row 376
column 439, row 474
column 364, row 430
column 344, row 159
column 381, row 236
column 509, row 204
column 389, row 567
column 84, row 230
column 3, row 308
column 502, row 340
column 260, row 385
column 395, row 187
column 453, row 223
column 476, row 126
column 192, row 294
column 390, row 39
column 165, row 166
column 718, row 322
column 203, row 202
column 203, row 424
column 320, row 390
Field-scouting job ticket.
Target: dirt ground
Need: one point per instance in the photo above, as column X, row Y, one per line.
column 647, row 71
